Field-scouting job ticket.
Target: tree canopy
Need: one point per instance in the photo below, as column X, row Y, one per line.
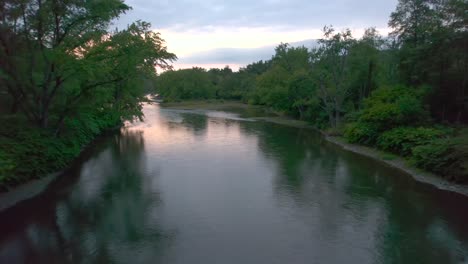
column 65, row 76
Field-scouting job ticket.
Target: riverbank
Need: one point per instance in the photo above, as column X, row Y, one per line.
column 385, row 158
column 27, row 189
column 33, row 187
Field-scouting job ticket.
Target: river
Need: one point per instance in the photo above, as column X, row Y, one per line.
column 220, row 187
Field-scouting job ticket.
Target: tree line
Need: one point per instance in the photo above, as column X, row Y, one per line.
column 66, row 76
column 406, row 93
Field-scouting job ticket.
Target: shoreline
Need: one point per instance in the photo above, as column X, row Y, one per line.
column 401, row 164
column 26, row 191
column 396, row 161
column 34, row 188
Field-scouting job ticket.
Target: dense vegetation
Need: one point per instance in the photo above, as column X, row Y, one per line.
column 65, row 78
column 406, row 93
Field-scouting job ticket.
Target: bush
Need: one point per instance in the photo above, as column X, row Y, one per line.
column 458, row 168
column 31, row 152
column 395, row 106
column 402, row 140
column 447, row 157
column 363, row 133
column 7, row 166
column 433, row 156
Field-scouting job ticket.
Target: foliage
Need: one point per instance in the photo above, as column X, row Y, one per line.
column 363, row 133
column 447, row 157
column 389, row 107
column 432, row 156
column 185, row 84
column 431, row 38
column 287, row 85
column 385, row 109
column 332, row 72
column 402, row 140
column 66, row 78
column 32, row 152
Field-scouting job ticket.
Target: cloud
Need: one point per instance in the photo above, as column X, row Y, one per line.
column 187, row 14
column 238, row 32
column 235, row 57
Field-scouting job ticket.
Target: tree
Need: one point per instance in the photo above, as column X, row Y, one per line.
column 286, row 85
column 332, row 72
column 51, row 34
column 364, row 65
column 433, row 38
column 185, row 84
column 57, row 54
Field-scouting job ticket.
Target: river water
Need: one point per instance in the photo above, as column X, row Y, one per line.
column 219, row 187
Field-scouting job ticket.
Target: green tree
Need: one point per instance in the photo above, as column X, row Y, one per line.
column 51, row 34
column 432, row 38
column 58, row 54
column 185, row 84
column 364, row 65
column 332, row 72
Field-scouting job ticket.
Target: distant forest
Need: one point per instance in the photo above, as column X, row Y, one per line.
column 406, row 93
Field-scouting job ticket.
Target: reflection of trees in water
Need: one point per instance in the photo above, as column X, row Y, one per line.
column 287, row 147
column 113, row 224
column 195, row 123
column 334, row 189
column 420, row 224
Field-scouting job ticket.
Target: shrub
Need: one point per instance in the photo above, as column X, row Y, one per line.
column 363, row 133
column 447, row 157
column 433, row 156
column 31, row 152
column 7, row 166
column 393, row 106
column 386, row 109
column 402, row 140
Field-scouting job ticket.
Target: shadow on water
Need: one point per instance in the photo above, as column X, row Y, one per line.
column 410, row 222
column 97, row 212
column 194, row 123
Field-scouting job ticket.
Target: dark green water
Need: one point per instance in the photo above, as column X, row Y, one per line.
column 212, row 187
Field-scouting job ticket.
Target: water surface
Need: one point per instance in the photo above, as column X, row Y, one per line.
column 219, row 187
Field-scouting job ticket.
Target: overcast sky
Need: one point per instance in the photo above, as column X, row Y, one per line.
column 212, row 33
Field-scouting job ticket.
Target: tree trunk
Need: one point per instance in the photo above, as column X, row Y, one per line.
column 44, row 121
column 332, row 119
column 337, row 118
column 301, row 114
column 15, row 105
column 368, row 88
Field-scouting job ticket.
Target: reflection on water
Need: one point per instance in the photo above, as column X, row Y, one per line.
column 214, row 187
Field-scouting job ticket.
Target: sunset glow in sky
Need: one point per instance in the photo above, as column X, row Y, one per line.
column 217, row 33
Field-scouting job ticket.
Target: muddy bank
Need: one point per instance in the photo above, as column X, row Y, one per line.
column 26, row 191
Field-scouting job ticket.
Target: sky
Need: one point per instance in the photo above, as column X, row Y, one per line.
column 213, row 33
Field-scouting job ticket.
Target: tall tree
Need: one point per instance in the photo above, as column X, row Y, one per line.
column 433, row 40
column 55, row 52
column 332, row 72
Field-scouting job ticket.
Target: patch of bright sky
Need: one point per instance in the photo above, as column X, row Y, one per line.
column 194, row 27
column 197, row 40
